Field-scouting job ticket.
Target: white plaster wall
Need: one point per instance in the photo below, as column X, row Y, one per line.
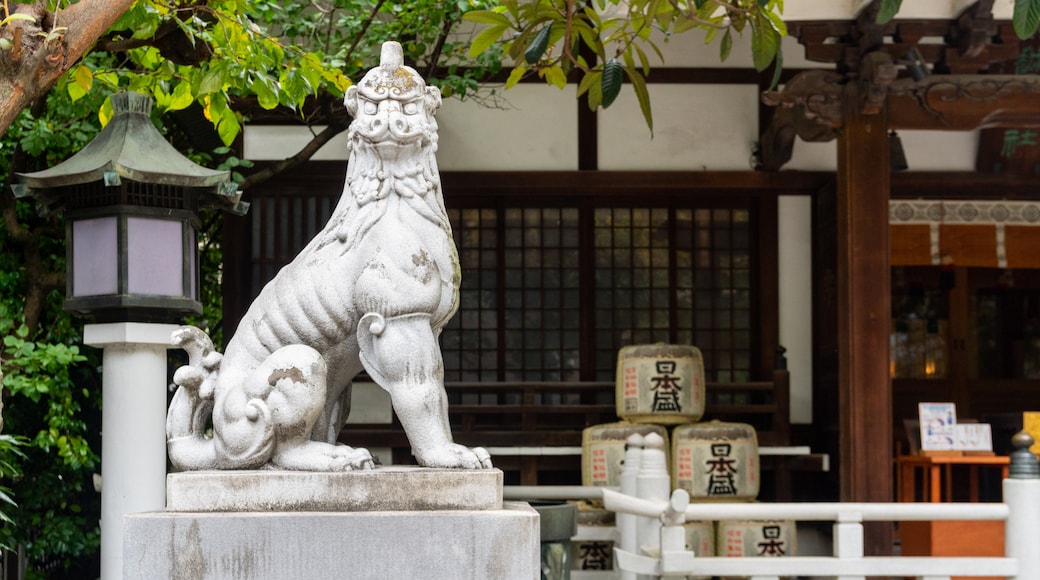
column 536, row 129
column 794, row 217
column 689, row 50
column 696, row 127
column 531, row 127
column 814, row 156
column 940, row 150
column 845, row 9
column 925, row 151
column 275, row 142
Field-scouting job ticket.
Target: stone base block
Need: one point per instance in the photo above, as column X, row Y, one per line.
column 392, row 488
column 458, row 545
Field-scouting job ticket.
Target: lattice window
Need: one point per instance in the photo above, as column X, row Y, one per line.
column 536, row 278
column 470, row 342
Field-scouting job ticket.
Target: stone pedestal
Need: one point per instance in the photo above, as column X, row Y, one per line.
column 392, row 488
column 385, row 523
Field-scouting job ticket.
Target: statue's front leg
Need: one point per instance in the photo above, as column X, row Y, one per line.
column 402, row 355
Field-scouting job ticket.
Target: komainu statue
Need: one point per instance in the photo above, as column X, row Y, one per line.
column 372, row 291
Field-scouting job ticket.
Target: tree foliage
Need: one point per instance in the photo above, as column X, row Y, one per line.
column 606, row 41
column 51, row 389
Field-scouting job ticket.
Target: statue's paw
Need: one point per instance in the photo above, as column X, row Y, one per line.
column 455, row 456
column 345, row 458
column 317, row 456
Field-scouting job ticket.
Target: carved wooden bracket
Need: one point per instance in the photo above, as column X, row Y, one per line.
column 817, row 94
column 877, row 71
column 809, row 107
column 975, row 28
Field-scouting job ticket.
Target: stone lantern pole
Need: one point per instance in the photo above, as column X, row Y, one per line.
column 130, row 202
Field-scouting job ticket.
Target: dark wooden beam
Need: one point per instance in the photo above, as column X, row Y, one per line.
column 599, row 183
column 864, row 312
column 964, row 102
column 964, row 185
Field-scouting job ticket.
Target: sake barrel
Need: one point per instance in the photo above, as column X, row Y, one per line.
column 767, row 539
column 700, row 539
column 716, row 461
column 594, row 547
column 603, row 450
column 660, row 383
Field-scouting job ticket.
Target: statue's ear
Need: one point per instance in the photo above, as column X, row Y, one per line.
column 350, row 100
column 433, row 98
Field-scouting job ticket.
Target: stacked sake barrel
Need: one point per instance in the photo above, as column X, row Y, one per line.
column 660, row 388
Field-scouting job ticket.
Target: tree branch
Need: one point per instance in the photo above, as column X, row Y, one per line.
column 42, row 65
column 435, row 56
column 364, row 29
column 301, row 157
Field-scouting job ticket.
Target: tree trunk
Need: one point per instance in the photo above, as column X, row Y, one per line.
column 28, row 70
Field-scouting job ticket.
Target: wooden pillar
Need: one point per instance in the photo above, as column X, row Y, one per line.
column 864, row 313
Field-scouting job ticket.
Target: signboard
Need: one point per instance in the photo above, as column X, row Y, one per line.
column 974, row 437
column 938, row 426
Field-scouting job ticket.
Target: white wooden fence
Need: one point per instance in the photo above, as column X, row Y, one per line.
column 652, row 540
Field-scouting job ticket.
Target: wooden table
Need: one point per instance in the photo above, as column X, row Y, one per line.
column 934, row 469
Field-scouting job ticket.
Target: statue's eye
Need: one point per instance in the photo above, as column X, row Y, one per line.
column 370, row 108
column 411, row 108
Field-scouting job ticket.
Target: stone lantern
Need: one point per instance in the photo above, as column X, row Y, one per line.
column 130, row 202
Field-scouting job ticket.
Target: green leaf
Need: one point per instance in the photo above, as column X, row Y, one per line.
column 555, row 76
column 82, row 80
column 639, row 85
column 485, row 39
column 888, row 9
column 1026, row 18
column 105, row 112
column 613, row 76
column 16, row 16
column 726, row 45
column 487, row 17
column 265, row 93
column 181, row 97
column 212, row 81
column 777, row 69
column 228, row 128
column 643, row 61
column 595, row 90
column 538, row 45
column 778, row 23
column 515, row 75
column 587, row 81
column 765, row 42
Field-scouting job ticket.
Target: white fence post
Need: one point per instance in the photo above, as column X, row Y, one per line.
column 676, row 560
column 628, row 523
column 652, row 483
column 1022, row 496
column 848, row 538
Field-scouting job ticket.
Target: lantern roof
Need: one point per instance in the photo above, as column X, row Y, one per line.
column 130, row 147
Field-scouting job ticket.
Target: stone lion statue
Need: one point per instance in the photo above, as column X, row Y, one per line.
column 372, row 291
